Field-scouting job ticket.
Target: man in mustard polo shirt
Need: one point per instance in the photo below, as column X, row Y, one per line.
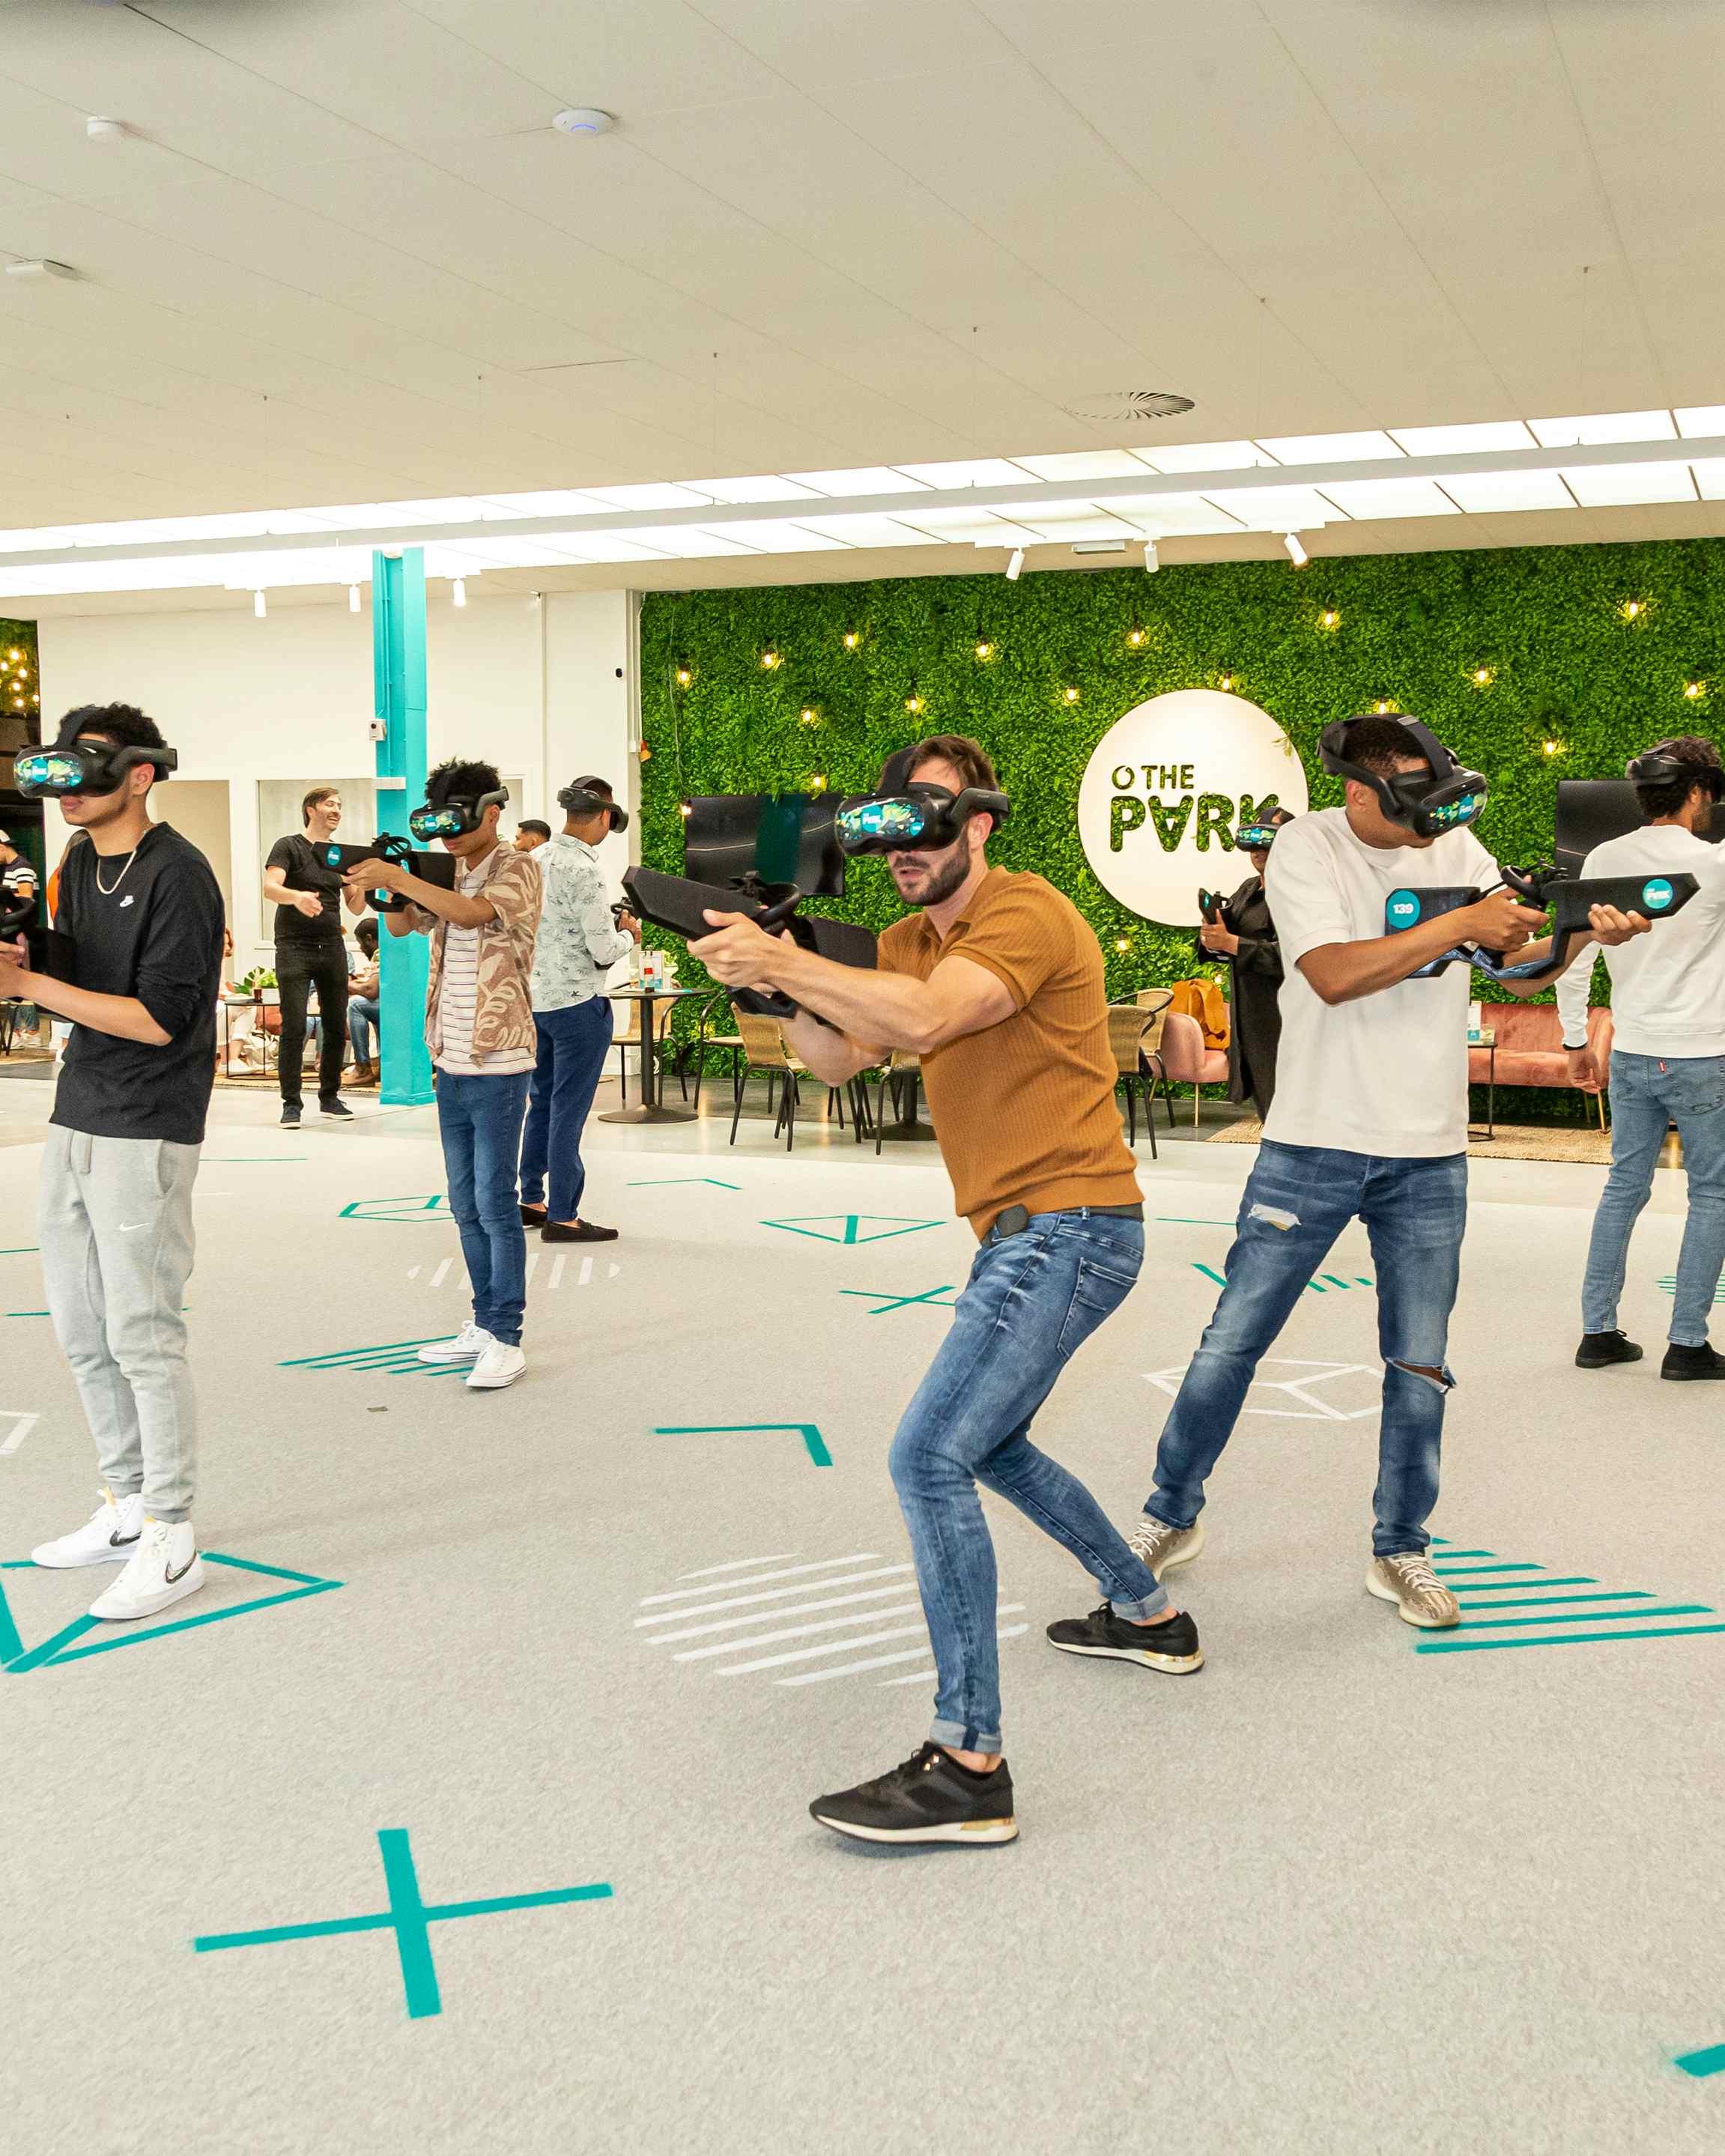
column 996, row 982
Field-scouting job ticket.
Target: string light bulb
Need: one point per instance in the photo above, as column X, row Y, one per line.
column 1329, row 618
column 819, row 782
column 1551, row 748
column 1071, row 693
column 1227, row 682
column 851, row 639
column 685, row 676
column 984, row 649
column 1122, row 943
column 1481, row 676
column 913, row 702
column 1383, row 707
column 1633, row 609
column 1691, row 690
column 769, row 658
column 1134, row 637
column 809, row 716
column 684, row 809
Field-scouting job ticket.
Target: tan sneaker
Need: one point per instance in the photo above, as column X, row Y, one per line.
column 1420, row 1597
column 1162, row 1546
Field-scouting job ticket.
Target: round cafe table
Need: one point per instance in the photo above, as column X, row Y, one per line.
column 652, row 1109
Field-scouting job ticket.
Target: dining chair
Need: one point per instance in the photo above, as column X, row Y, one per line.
column 1128, row 1025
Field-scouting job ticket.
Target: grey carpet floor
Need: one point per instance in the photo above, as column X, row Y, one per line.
column 1334, row 1894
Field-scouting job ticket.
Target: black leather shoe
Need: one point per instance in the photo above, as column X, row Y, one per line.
column 1684, row 1363
column 1598, row 1350
column 584, row 1231
column 533, row 1216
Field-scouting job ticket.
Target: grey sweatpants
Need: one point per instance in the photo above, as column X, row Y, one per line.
column 115, row 1217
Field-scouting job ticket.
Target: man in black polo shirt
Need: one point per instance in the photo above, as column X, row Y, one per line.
column 310, row 952
column 137, row 966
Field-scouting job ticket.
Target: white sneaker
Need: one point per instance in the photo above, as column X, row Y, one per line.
column 167, row 1568
column 109, row 1537
column 469, row 1344
column 499, row 1366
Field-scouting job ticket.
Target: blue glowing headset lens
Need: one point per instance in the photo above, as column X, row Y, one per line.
column 48, row 771
column 1464, row 811
column 893, row 820
column 1256, row 838
column 447, row 822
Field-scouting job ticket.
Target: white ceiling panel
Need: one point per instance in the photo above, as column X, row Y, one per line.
column 1206, row 457
column 867, row 531
column 1084, row 464
column 1464, row 441
column 1276, row 508
column 1484, row 493
column 1388, row 497
column 1600, row 486
column 1330, row 448
column 1161, row 515
column 1599, row 427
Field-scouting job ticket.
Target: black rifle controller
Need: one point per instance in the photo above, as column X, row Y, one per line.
column 675, row 903
column 1210, row 904
column 390, row 846
column 1569, row 899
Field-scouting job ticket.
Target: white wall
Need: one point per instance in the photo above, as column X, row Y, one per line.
column 546, row 689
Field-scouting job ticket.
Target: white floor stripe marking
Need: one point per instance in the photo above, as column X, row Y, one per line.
column 737, row 1564
column 557, row 1271
column 615, row 1269
column 762, row 1616
column 532, row 1267
column 413, row 1272
column 916, row 1676
column 438, row 1277
column 850, row 1668
column 682, row 1594
column 794, row 1632
column 22, row 1424
column 832, row 1647
column 586, row 1270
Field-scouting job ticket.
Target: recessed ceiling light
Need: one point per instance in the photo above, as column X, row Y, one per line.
column 105, row 131
column 41, row 269
column 1129, row 404
column 583, row 120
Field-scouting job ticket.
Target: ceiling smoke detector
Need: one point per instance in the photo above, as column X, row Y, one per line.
column 1128, row 404
column 583, row 120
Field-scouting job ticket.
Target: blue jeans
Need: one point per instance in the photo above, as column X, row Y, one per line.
column 572, row 1044
column 362, row 1017
column 479, row 1120
column 1648, row 1093
column 1296, row 1202
column 1031, row 1300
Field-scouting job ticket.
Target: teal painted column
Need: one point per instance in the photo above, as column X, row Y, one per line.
column 399, row 677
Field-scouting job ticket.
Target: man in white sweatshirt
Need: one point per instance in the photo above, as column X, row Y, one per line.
column 1667, row 1059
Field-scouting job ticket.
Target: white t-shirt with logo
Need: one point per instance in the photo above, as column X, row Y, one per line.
column 1385, row 1074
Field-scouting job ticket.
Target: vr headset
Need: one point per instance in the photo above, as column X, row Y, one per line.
column 899, row 816
column 447, row 815
column 389, row 846
column 72, row 765
column 1256, row 838
column 579, row 799
column 1448, row 798
column 1661, row 766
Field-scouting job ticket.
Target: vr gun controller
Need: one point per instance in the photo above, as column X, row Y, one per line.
column 1209, row 904
column 48, row 952
column 390, row 846
column 1570, row 900
column 675, row 903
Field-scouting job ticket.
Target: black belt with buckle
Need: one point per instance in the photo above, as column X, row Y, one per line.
column 1016, row 1218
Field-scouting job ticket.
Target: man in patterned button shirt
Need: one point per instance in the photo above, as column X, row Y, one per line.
column 577, row 947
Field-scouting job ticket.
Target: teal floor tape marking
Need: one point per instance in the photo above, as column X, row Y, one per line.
column 1700, row 2063
column 410, row 1917
column 664, row 1182
column 850, row 1225
column 1591, row 1616
column 900, row 1301
column 433, row 1206
column 16, row 1660
column 809, row 1433
column 1444, row 1556
column 1547, row 1601
column 1470, row 1571
column 1558, row 1640
column 1184, row 1221
column 1313, row 1286
column 1568, row 1579
column 401, row 1357
column 20, row 1250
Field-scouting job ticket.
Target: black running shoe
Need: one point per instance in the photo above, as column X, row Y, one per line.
column 290, row 1117
column 335, row 1108
column 931, row 1798
column 1684, row 1363
column 1598, row 1350
column 1172, row 1646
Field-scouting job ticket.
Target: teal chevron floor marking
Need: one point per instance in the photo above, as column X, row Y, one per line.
column 409, row 1916
column 816, row 1225
column 434, row 1206
column 900, row 1301
column 16, row 1660
column 1591, row 1617
column 809, row 1433
column 1559, row 1639
column 1513, row 1583
column 399, row 1357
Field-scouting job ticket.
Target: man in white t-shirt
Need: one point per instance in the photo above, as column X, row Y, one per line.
column 1369, row 1123
column 1667, row 1059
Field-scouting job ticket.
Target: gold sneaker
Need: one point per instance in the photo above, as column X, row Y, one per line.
column 1420, row 1597
column 1162, row 1546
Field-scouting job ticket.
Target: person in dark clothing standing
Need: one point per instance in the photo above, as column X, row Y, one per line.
column 310, row 953
column 137, row 966
column 1245, row 935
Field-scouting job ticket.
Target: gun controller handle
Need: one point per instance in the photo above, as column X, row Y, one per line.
column 18, row 916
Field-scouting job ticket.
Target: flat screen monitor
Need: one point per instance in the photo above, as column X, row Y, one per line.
column 1592, row 810
column 782, row 837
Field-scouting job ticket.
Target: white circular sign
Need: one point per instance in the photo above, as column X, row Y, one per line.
column 1167, row 788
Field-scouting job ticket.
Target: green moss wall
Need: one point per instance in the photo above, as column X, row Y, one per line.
column 1567, row 661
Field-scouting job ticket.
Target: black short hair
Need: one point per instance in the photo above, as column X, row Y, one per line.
column 466, row 780
column 1380, row 743
column 1695, row 756
column 365, row 934
column 533, row 824
column 122, row 723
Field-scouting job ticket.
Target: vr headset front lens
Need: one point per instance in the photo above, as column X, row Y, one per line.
column 897, row 822
column 1256, row 838
column 446, row 822
column 48, row 771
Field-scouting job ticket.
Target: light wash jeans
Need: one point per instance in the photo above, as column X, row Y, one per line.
column 1031, row 1300
column 362, row 1021
column 1298, row 1200
column 1648, row 1094
column 114, row 1218
column 480, row 1121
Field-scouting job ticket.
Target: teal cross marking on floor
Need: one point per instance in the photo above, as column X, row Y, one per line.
column 401, row 1357
column 408, row 1916
column 808, row 1431
column 900, row 1301
column 432, row 1208
column 16, row 1659
column 1507, row 1583
column 851, row 1226
column 663, row 1182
